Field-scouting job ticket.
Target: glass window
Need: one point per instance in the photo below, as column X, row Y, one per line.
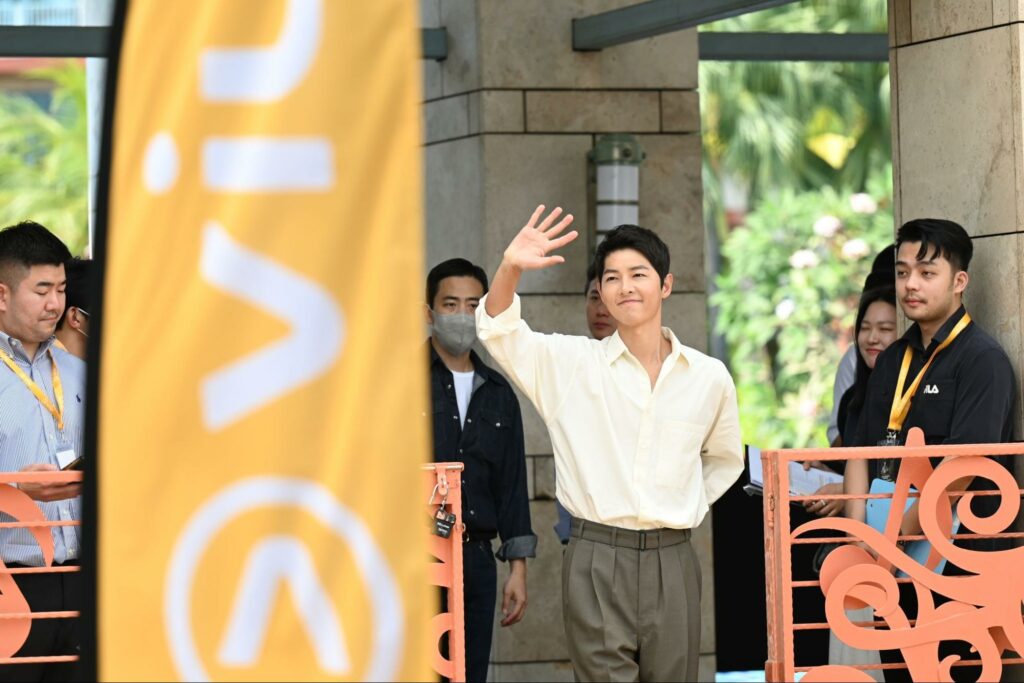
column 55, row 12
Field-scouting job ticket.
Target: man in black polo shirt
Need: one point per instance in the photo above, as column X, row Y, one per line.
column 964, row 391
column 477, row 422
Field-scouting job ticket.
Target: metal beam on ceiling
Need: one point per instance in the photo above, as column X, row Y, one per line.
column 435, row 44
column 54, row 41
column 655, row 17
column 793, row 47
column 93, row 41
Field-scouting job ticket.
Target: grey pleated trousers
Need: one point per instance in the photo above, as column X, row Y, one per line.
column 631, row 611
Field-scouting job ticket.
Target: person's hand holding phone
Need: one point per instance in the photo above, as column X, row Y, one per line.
column 76, row 465
column 48, row 492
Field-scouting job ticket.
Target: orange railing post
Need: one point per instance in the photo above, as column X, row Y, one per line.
column 982, row 607
column 443, row 485
column 15, row 614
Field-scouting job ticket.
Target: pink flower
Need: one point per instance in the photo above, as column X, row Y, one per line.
column 804, row 258
column 863, row 203
column 827, row 226
column 856, row 249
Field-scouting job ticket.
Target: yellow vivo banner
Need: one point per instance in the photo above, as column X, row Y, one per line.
column 262, row 380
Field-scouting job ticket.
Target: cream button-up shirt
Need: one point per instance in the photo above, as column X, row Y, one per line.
column 626, row 455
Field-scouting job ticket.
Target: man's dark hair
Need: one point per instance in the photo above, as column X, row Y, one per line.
column 639, row 239
column 25, row 245
column 883, row 269
column 454, row 267
column 79, row 272
column 591, row 276
column 938, row 237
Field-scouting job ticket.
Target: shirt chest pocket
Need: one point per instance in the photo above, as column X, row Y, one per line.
column 493, row 431
column 933, row 408
column 677, row 446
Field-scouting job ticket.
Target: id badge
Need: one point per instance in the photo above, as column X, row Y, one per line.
column 444, row 522
column 65, row 455
column 887, row 466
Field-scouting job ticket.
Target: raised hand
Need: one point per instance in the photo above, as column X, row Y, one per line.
column 531, row 248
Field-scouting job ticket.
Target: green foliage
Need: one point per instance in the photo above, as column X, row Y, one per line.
column 797, row 141
column 787, row 302
column 44, row 165
column 797, row 124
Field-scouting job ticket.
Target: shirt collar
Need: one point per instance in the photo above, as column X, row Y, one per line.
column 15, row 349
column 479, row 367
column 913, row 335
column 615, row 347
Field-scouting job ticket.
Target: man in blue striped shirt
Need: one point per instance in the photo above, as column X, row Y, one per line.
column 42, row 389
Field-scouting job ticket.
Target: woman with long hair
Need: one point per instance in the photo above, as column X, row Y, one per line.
column 876, row 330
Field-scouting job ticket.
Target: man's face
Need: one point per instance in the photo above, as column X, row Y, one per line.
column 601, row 324
column 31, row 310
column 631, row 288
column 928, row 289
column 459, row 294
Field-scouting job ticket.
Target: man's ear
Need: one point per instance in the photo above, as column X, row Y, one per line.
column 76, row 321
column 960, row 281
column 666, row 286
column 6, row 293
column 428, row 314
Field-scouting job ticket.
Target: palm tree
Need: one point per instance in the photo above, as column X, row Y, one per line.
column 769, row 126
column 773, row 125
column 44, row 168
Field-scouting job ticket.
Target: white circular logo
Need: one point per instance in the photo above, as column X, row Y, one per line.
column 315, row 499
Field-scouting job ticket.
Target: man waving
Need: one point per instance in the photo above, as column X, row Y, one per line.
column 646, row 436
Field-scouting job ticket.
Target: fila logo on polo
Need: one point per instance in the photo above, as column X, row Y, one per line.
column 931, row 389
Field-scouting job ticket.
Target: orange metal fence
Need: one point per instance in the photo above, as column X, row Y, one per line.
column 15, row 614
column 443, row 483
column 982, row 608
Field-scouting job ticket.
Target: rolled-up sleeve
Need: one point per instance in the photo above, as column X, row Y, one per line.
column 722, row 453
column 517, row 548
column 513, row 502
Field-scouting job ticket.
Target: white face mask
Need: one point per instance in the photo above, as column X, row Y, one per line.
column 456, row 332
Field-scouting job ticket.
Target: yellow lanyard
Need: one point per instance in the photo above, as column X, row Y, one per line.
column 58, row 388
column 901, row 401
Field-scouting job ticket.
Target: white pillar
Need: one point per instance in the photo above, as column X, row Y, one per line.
column 94, row 13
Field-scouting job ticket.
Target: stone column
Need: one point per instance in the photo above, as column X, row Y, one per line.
column 510, row 117
column 958, row 148
column 958, row 142
column 94, row 13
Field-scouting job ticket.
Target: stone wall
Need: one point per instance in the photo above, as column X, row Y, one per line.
column 958, row 149
column 509, row 119
column 958, row 142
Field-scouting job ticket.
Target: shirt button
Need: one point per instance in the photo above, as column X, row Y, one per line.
column 455, row 417
column 460, row 451
column 469, row 419
column 472, row 512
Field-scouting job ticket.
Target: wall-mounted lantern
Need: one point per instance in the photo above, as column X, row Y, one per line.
column 616, row 160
